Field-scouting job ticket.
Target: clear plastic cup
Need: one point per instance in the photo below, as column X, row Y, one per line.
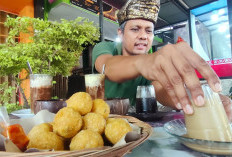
column 208, row 122
column 40, row 88
column 95, row 85
column 146, row 100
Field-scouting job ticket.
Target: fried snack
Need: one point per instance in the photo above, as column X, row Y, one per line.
column 67, row 122
column 17, row 135
column 42, row 137
column 86, row 139
column 110, row 120
column 94, row 122
column 116, row 128
column 81, row 102
column 100, row 106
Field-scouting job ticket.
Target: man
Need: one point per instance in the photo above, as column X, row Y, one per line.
column 170, row 69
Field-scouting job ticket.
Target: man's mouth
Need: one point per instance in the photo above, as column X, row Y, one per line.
column 140, row 45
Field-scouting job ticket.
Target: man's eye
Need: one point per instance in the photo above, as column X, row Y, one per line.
column 135, row 29
column 149, row 31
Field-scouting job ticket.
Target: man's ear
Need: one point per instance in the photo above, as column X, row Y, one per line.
column 120, row 34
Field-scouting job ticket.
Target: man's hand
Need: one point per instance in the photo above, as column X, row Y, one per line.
column 174, row 67
column 227, row 105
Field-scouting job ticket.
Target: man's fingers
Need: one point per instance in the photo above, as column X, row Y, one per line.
column 178, row 63
column 226, row 102
column 208, row 73
column 190, row 79
column 168, row 87
column 176, row 86
column 227, row 105
column 201, row 65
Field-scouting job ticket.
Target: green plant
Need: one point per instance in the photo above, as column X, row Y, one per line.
column 55, row 47
column 5, row 98
column 6, row 93
column 13, row 107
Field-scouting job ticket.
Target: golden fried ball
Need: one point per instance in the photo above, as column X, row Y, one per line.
column 116, row 128
column 42, row 137
column 110, row 120
column 81, row 102
column 94, row 122
column 100, row 106
column 86, row 139
column 67, row 122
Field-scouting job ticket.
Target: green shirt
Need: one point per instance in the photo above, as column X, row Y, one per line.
column 126, row 89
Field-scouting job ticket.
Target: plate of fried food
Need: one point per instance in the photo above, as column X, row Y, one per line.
column 86, row 127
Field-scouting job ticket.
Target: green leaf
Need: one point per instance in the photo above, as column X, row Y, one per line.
column 55, row 47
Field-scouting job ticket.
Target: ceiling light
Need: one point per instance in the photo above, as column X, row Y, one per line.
column 222, row 28
column 221, row 11
column 228, row 36
column 214, row 17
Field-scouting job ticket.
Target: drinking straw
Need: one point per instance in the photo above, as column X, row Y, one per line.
column 29, row 67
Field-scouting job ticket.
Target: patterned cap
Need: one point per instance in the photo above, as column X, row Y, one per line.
column 139, row 9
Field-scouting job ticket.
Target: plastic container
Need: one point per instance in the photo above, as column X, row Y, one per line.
column 40, row 88
column 208, row 122
column 146, row 100
column 95, row 85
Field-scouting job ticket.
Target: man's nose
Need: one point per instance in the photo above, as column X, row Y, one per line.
column 143, row 35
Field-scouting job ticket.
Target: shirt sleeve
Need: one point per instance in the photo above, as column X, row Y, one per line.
column 101, row 48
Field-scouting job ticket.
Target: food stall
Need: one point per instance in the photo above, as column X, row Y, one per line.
column 158, row 138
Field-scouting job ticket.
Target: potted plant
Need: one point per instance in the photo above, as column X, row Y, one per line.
column 6, row 95
column 53, row 47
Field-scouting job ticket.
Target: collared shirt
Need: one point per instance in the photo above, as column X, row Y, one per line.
column 126, row 89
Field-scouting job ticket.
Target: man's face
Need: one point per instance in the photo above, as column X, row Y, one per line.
column 137, row 37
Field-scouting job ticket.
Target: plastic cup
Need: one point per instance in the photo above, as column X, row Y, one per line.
column 95, row 85
column 40, row 88
column 146, row 100
column 208, row 122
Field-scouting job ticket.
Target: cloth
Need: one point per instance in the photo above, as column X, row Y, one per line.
column 139, row 9
column 112, row 89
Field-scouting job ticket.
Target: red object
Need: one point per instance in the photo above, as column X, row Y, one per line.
column 222, row 67
column 17, row 136
column 179, row 39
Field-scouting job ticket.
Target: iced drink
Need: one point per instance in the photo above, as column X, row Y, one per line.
column 95, row 85
column 40, row 88
column 209, row 122
column 146, row 100
column 146, row 105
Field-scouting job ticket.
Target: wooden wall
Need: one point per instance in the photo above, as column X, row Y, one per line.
column 60, row 89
